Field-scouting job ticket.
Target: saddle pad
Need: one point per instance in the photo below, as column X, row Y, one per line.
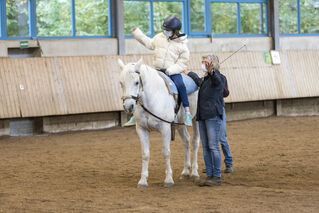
column 190, row 85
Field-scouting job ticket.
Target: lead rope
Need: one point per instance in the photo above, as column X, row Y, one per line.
column 166, row 121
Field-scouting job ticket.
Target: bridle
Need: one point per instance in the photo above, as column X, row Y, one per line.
column 137, row 97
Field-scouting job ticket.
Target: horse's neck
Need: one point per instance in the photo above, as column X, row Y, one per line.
column 155, row 91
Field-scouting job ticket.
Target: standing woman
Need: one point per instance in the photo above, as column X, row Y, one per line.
column 210, row 116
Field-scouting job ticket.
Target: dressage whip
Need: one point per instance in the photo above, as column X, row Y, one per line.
column 233, row 53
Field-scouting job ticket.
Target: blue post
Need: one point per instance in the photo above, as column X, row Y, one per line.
column 208, row 23
column 261, row 25
column 238, row 19
column 109, row 19
column 299, row 21
column 32, row 19
column 73, row 18
column 3, row 20
column 151, row 19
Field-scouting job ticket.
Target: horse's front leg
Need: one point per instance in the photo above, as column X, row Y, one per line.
column 144, row 138
column 186, row 142
column 166, row 137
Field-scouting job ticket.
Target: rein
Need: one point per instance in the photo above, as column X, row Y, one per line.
column 138, row 101
column 173, row 123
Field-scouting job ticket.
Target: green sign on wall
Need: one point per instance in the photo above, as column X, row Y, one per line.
column 24, row 44
column 267, row 57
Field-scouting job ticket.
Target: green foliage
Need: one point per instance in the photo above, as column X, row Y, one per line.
column 289, row 12
column 53, row 17
column 250, row 18
column 136, row 14
column 309, row 16
column 288, row 16
column 224, row 18
column 17, row 18
column 91, row 17
column 197, row 15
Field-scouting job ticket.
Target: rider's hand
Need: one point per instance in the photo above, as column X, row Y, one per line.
column 134, row 28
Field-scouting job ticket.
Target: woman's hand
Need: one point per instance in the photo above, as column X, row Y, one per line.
column 186, row 72
column 210, row 67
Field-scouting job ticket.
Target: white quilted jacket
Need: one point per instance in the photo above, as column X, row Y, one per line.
column 172, row 55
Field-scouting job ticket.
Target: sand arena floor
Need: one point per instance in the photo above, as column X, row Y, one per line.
column 276, row 163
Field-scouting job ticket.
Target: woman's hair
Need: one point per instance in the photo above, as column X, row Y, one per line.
column 214, row 59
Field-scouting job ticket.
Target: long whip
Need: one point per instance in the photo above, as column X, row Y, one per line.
column 233, row 54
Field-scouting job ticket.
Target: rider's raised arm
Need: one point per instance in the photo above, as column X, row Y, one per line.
column 181, row 63
column 143, row 39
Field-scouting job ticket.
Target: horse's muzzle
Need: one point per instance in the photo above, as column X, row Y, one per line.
column 129, row 107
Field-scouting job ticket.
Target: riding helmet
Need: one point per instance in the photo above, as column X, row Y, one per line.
column 172, row 23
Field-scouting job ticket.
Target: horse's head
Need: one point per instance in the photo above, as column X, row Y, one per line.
column 130, row 81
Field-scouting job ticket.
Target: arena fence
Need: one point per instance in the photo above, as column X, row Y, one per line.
column 35, row 87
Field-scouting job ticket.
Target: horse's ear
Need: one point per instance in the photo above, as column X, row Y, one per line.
column 120, row 62
column 138, row 64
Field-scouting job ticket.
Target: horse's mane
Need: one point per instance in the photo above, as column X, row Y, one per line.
column 149, row 72
column 153, row 75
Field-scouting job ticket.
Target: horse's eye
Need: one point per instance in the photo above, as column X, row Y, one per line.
column 136, row 83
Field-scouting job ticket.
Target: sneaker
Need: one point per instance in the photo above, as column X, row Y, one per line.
column 203, row 183
column 215, row 181
column 229, row 169
column 188, row 119
column 131, row 122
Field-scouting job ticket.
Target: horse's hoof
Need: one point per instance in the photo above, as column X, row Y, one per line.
column 184, row 177
column 195, row 177
column 167, row 185
column 142, row 186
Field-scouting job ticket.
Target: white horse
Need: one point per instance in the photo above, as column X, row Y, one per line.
column 143, row 87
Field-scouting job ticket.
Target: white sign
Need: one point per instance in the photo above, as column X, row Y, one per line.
column 21, row 87
column 275, row 57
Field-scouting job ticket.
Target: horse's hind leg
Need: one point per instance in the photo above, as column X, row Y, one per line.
column 144, row 138
column 166, row 136
column 195, row 147
column 186, row 142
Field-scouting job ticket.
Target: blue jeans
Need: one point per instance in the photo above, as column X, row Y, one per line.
column 178, row 80
column 224, row 142
column 209, row 132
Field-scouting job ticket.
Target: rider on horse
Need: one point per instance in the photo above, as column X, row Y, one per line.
column 171, row 56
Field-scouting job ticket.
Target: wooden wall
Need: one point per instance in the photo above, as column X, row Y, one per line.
column 58, row 85
column 70, row 85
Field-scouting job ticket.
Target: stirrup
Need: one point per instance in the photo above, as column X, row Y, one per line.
column 131, row 122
